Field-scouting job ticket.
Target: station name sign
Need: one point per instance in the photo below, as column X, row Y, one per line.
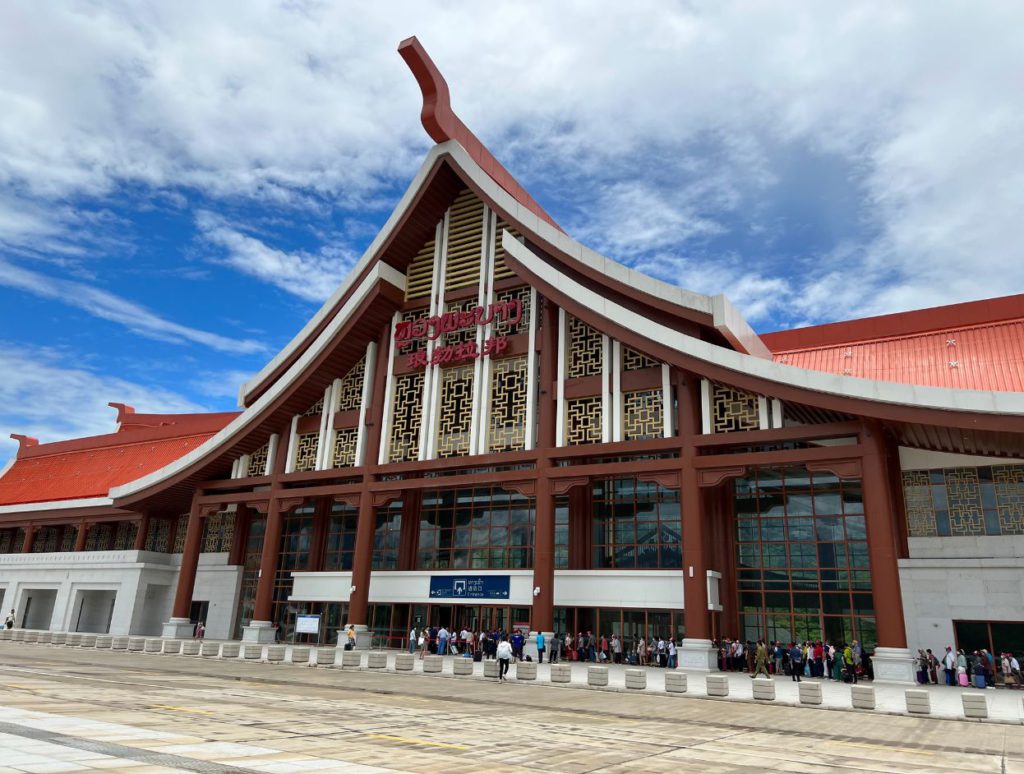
column 469, row 586
column 408, row 332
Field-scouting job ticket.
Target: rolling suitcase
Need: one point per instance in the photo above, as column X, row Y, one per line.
column 962, row 677
column 979, row 680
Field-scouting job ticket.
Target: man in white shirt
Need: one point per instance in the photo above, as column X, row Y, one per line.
column 442, row 641
column 949, row 666
column 413, row 640
column 504, row 655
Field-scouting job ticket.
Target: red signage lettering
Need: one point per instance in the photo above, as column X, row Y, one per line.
column 432, row 328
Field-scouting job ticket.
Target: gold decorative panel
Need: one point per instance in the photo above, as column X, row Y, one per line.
column 963, row 493
column 158, row 537
column 917, row 498
column 585, row 351
column 522, row 295
column 501, row 271
column 632, row 360
column 582, row 421
column 643, row 415
column 1009, row 486
column 406, row 417
column 100, row 538
column 462, row 334
column 465, row 242
column 124, row 537
column 507, row 430
column 258, row 461
column 350, row 391
column 179, row 534
column 315, row 410
column 305, row 451
column 67, row 542
column 456, row 412
column 345, row 447
column 45, row 540
column 420, row 274
column 733, row 410
column 218, row 533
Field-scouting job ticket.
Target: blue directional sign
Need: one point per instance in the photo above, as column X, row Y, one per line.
column 469, row 586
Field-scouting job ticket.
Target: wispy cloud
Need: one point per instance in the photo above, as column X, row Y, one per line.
column 40, row 384
column 311, row 276
column 108, row 306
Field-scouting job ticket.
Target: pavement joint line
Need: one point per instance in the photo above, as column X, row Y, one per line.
column 122, row 751
column 798, row 732
column 406, row 740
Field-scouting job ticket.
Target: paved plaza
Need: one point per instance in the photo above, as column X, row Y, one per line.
column 64, row 710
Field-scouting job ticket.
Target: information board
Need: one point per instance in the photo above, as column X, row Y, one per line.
column 469, row 586
column 307, row 624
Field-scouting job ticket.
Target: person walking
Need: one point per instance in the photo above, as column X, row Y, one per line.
column 796, row 660
column 760, row 661
column 351, row 636
column 540, row 647
column 9, row 621
column 504, row 654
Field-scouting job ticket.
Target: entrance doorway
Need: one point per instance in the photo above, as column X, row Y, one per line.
column 391, row 623
column 198, row 612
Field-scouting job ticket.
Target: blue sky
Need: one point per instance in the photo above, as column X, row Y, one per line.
column 182, row 183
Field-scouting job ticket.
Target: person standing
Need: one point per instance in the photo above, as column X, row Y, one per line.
column 796, row 658
column 760, row 661
column 672, row 653
column 9, row 621
column 540, row 647
column 413, row 640
column 504, row 654
column 442, row 641
column 850, row 663
column 351, row 635
column 949, row 666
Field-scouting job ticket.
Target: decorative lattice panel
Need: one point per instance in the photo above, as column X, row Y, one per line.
column 45, row 541
column 315, row 410
column 350, row 391
column 420, row 273
column 6, row 540
column 643, row 415
column 507, row 431
column 418, row 342
column 159, row 535
column 406, row 417
column 465, row 237
column 456, row 412
column 733, row 410
column 67, row 542
column 462, row 334
column 963, row 493
column 179, row 535
column 345, row 447
column 501, row 271
column 1009, row 486
column 632, row 360
column 917, row 498
column 585, row 351
column 506, row 327
column 17, row 541
column 100, row 538
column 582, row 421
column 124, row 537
column 218, row 533
column 306, row 446
column 258, row 461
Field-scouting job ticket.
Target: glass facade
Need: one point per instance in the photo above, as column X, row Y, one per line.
column 296, row 543
column 341, row 537
column 802, row 557
column 387, row 536
column 480, row 528
column 636, row 524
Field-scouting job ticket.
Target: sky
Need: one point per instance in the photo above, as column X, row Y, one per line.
column 182, row 184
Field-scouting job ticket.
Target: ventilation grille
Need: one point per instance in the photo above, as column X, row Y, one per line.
column 421, row 272
column 465, row 228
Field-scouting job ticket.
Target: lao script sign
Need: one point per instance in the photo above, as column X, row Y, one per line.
column 432, row 328
column 469, row 586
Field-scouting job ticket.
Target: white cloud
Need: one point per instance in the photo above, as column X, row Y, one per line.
column 108, row 306
column 307, row 104
column 220, row 384
column 312, row 276
column 40, row 385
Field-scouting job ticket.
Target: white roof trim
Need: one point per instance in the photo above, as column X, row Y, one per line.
column 942, row 398
column 380, row 271
column 726, row 317
column 54, row 505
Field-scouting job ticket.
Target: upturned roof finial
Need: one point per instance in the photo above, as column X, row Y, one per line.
column 24, row 442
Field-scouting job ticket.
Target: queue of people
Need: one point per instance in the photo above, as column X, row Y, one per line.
column 842, row 662
column 980, row 668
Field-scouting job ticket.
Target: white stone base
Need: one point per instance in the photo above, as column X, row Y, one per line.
column 698, row 656
column 178, row 629
column 363, row 636
column 258, row 631
column 894, row 665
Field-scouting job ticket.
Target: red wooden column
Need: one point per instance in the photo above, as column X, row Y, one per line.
column 362, row 558
column 268, row 564
column 543, row 610
column 696, row 652
column 30, row 536
column 140, row 536
column 882, row 540
column 82, row 535
column 189, row 565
